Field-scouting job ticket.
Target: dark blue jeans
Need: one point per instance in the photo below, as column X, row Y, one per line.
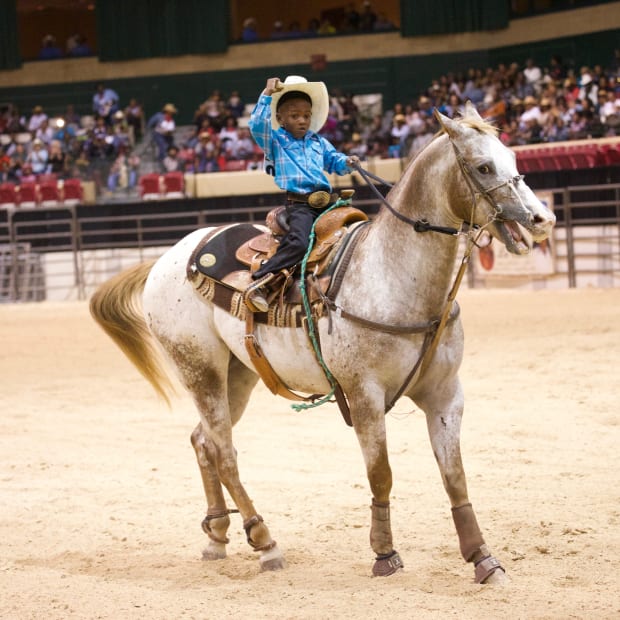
column 295, row 243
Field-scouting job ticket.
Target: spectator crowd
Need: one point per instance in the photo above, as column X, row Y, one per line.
column 529, row 104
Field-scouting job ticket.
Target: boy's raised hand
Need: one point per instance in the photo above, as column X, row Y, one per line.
column 273, row 86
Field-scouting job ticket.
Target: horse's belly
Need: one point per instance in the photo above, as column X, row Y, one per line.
column 287, row 350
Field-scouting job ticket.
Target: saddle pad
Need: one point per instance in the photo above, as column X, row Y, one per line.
column 215, row 255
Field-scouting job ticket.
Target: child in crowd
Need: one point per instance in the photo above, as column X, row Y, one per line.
column 284, row 123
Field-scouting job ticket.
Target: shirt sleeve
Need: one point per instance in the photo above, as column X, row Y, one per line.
column 333, row 160
column 260, row 124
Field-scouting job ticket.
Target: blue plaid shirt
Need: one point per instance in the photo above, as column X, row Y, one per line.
column 299, row 164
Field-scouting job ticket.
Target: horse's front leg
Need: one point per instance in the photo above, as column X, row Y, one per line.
column 369, row 424
column 443, row 418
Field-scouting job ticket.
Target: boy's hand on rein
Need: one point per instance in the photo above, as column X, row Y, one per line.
column 353, row 161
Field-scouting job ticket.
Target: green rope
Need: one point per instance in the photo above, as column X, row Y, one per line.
column 308, row 310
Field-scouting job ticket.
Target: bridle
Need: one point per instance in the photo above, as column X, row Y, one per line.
column 470, row 230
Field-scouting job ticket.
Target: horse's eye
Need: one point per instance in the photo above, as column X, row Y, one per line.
column 484, row 169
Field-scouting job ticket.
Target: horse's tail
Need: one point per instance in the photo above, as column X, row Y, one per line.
column 115, row 306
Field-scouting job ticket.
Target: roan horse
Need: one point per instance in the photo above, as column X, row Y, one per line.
column 396, row 289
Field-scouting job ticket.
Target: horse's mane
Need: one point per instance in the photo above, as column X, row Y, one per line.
column 475, row 122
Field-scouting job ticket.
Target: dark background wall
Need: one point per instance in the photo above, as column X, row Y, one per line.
column 399, row 78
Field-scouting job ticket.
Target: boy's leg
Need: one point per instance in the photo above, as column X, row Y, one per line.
column 291, row 250
column 294, row 244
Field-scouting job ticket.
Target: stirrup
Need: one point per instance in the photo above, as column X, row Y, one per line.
column 255, row 296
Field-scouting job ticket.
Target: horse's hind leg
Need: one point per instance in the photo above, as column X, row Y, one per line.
column 216, row 523
column 444, row 427
column 241, row 381
column 220, row 399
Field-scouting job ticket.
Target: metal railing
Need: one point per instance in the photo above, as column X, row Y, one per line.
column 55, row 253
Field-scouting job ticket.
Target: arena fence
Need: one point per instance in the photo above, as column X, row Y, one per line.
column 63, row 256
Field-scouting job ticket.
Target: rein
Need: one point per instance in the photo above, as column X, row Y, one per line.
column 434, row 329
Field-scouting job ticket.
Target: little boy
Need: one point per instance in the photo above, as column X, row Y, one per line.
column 284, row 124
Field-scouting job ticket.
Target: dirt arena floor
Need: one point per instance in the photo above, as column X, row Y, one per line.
column 101, row 502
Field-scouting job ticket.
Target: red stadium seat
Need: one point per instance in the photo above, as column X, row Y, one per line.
column 235, row 165
column 150, row 186
column 28, row 195
column 545, row 158
column 583, row 156
column 562, row 158
column 8, row 195
column 49, row 194
column 173, row 185
column 610, row 154
column 72, row 192
column 527, row 161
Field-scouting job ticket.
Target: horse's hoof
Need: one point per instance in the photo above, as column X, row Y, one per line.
column 386, row 565
column 490, row 571
column 272, row 560
column 215, row 551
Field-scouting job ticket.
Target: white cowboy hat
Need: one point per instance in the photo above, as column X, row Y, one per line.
column 317, row 91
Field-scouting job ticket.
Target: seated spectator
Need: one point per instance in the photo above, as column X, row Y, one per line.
column 77, row 46
column 14, row 123
column 57, row 160
column 44, row 133
column 49, row 48
column 105, row 103
column 422, row 137
column 71, row 117
column 326, row 27
column 278, row 32
column 37, row 157
column 313, row 27
column 609, row 109
column 5, row 166
column 351, row 21
column 18, row 160
column 27, row 174
column 367, row 17
column 38, row 116
column 357, row 147
column 123, row 173
column 172, row 162
column 249, row 34
column 294, row 30
column 229, row 130
column 383, row 24
column 206, row 153
column 533, row 75
column 235, row 106
column 215, row 108
column 243, row 147
column 399, row 134
column 531, row 112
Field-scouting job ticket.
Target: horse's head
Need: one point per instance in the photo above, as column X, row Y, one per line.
column 501, row 201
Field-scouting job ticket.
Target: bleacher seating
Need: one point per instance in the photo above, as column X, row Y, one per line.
column 173, row 185
column 72, row 191
column 28, row 195
column 8, row 195
column 49, row 194
column 150, row 188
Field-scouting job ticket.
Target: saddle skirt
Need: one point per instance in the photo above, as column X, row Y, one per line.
column 220, row 267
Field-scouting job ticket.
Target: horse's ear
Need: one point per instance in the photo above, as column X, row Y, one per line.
column 450, row 126
column 471, row 111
